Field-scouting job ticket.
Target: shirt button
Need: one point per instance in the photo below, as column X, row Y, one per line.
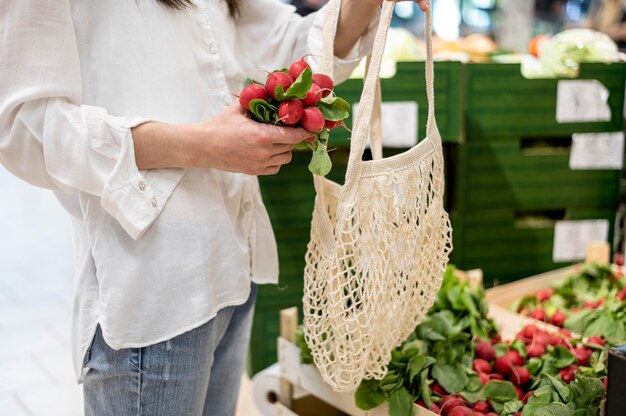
column 142, row 185
column 247, row 206
column 154, row 202
column 213, row 49
column 226, row 100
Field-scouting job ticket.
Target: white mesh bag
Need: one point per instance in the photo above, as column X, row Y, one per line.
column 379, row 243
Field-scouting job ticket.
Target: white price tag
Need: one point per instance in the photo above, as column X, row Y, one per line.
column 399, row 122
column 597, row 151
column 582, row 101
column 571, row 238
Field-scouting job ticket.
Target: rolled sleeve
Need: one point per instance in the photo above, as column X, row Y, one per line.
column 136, row 198
column 49, row 138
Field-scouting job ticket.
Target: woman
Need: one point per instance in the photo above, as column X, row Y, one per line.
column 123, row 109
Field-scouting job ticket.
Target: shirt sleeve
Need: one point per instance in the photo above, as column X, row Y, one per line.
column 47, row 137
column 272, row 36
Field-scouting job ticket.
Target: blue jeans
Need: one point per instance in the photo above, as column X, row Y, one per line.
column 194, row 374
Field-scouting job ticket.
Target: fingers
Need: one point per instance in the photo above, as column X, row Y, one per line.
column 272, row 170
column 280, row 159
column 288, row 135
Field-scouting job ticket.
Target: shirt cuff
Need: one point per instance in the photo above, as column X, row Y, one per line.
column 135, row 198
column 362, row 48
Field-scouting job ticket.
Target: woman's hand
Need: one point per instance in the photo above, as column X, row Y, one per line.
column 233, row 142
column 230, row 141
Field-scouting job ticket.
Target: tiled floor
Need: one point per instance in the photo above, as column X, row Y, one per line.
column 36, row 377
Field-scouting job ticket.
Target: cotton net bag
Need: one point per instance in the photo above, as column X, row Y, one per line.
column 379, row 243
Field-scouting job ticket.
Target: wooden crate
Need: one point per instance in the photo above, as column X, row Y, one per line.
column 499, row 102
column 517, row 174
column 510, row 244
column 504, row 296
column 306, row 377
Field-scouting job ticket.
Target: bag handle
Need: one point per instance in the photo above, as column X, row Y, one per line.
column 330, row 30
column 368, row 98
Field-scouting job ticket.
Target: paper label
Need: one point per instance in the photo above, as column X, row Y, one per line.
column 592, row 151
column 399, row 122
column 582, row 101
column 571, row 238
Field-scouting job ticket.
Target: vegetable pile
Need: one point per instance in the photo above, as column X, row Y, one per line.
column 455, row 364
column 296, row 97
column 591, row 302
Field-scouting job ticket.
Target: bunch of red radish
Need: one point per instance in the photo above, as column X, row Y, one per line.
column 511, row 365
column 296, row 110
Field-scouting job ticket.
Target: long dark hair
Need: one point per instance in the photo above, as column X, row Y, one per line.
column 233, row 5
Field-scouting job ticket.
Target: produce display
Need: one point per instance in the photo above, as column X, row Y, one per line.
column 296, row 97
column 591, row 302
column 455, row 363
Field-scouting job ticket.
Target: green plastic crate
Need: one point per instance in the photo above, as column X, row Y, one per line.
column 500, row 102
column 519, row 174
column 408, row 84
column 508, row 245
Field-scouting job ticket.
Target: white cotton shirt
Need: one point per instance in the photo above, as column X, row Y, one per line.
column 157, row 252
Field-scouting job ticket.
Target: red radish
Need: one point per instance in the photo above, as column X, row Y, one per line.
column 538, row 314
column 535, row 349
column 324, row 82
column 477, row 414
column 520, row 392
column 492, row 414
column 529, row 331
column 565, row 333
column 481, row 366
column 459, row 411
column 605, row 381
column 515, row 357
column 446, row 407
column 596, row 341
column 527, row 396
column 290, row 111
column 568, row 374
column 618, row 259
column 518, row 413
column 520, row 375
column 582, row 355
column 297, row 67
column 556, row 339
column 274, row 80
column 558, row 318
column 496, row 376
column 331, row 125
column 544, row 295
column 313, row 96
column 542, row 338
column 621, row 295
column 449, row 397
column 503, row 365
column 484, row 378
column 594, row 304
column 496, row 339
column 434, row 408
column 312, row 119
column 480, row 406
column 436, row 388
column 485, row 351
column 251, row 92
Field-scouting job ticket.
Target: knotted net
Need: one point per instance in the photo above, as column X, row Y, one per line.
column 379, row 243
